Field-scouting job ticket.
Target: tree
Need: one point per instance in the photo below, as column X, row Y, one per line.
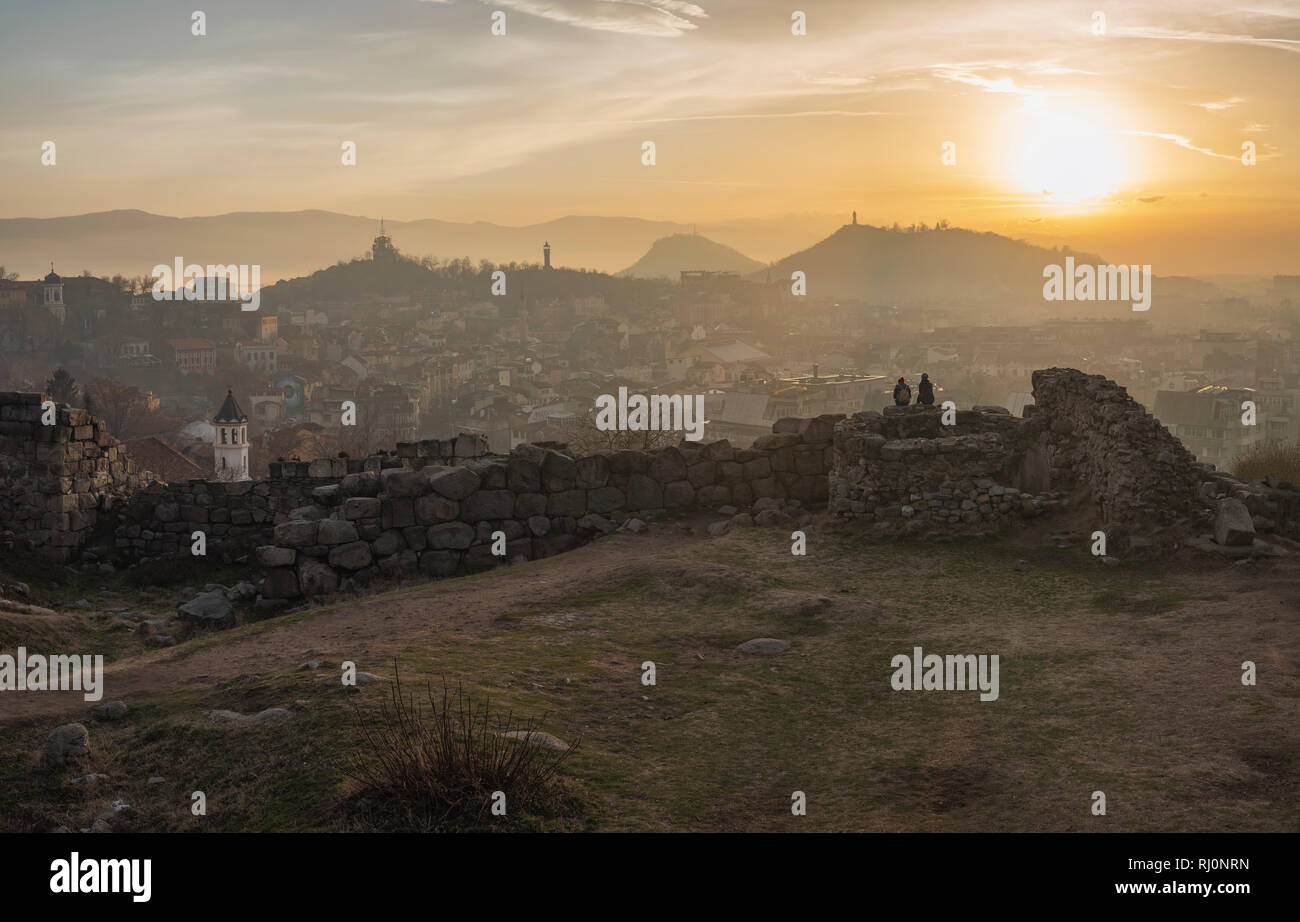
column 62, row 386
column 583, row 438
column 122, row 408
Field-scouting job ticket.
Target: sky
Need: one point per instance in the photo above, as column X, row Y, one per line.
column 1121, row 135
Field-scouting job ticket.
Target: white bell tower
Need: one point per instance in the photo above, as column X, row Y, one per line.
column 230, row 441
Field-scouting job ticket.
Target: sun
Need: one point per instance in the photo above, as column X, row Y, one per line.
column 1065, row 157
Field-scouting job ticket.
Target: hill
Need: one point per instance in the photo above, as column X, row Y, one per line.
column 881, row 265
column 670, row 256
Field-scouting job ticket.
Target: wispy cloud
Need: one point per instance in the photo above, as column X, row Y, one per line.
column 1217, row 105
column 655, row 18
column 1182, row 142
column 1176, row 35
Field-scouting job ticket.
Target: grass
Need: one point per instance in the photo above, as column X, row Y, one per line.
column 1119, row 679
column 1279, row 462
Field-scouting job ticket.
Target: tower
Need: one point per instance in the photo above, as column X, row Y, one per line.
column 230, row 441
column 53, row 295
column 382, row 248
column 855, row 219
column 546, row 255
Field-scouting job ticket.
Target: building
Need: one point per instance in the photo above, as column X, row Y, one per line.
column 259, row 357
column 193, row 356
column 12, row 294
column 230, row 441
column 1209, row 421
column 52, row 297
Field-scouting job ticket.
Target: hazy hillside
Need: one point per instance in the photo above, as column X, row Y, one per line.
column 358, row 278
column 672, row 255
column 882, row 265
column 289, row 244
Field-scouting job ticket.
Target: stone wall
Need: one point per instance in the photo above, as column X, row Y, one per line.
column 1101, row 441
column 439, row 519
column 57, row 480
column 161, row 519
column 908, row 473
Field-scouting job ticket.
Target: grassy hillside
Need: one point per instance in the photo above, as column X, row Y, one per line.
column 1121, row 679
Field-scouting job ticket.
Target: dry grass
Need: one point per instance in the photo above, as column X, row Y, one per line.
column 1123, row 679
column 1277, row 462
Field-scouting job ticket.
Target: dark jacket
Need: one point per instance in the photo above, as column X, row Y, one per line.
column 925, row 392
column 902, row 394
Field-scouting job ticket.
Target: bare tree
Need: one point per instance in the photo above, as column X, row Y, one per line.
column 122, row 408
column 584, row 438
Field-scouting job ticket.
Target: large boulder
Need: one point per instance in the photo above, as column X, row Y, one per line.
column 354, row 556
column 559, row 472
column 397, row 482
column 361, row 507
column 271, row 556
column 211, row 609
column 315, row 578
column 488, row 505
column 296, row 533
column 335, row 531
column 1233, row 526
column 67, row 745
column 360, row 484
column 450, row 535
column 455, row 483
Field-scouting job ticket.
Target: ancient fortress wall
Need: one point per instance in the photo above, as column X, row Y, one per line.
column 433, row 507
column 440, row 519
column 1104, row 443
column 57, row 480
column 1085, row 445
column 161, row 519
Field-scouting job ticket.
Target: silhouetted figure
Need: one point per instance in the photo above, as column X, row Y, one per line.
column 902, row 394
column 925, row 392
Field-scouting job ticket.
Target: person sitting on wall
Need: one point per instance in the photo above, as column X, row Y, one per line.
column 925, row 392
column 902, row 394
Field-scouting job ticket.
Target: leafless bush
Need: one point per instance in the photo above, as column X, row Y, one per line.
column 436, row 767
column 1278, row 462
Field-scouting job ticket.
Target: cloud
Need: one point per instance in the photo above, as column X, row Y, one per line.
column 1182, row 142
column 1152, row 32
column 653, row 18
column 1219, row 104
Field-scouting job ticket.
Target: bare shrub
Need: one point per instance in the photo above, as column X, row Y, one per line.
column 436, row 767
column 1279, row 462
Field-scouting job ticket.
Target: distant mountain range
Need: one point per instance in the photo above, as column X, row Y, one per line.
column 669, row 256
column 876, row 264
column 292, row 244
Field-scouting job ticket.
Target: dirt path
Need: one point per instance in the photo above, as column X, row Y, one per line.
column 368, row 632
